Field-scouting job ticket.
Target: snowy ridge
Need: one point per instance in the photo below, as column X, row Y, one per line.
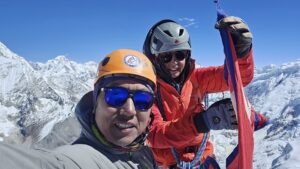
column 67, row 77
column 37, row 102
column 274, row 92
column 7, row 53
column 35, row 97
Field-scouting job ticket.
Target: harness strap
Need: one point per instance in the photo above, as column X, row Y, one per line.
column 196, row 161
column 181, row 164
column 159, row 103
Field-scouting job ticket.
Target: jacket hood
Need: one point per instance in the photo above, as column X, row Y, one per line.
column 84, row 114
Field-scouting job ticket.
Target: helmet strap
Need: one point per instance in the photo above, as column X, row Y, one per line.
column 140, row 140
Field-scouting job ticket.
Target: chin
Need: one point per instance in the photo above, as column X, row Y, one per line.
column 175, row 76
column 124, row 142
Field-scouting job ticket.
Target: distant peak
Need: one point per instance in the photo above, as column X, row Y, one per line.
column 7, row 53
column 61, row 58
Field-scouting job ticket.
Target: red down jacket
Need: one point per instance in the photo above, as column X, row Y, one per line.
column 178, row 130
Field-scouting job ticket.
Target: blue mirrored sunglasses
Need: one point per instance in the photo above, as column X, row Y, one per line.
column 117, row 96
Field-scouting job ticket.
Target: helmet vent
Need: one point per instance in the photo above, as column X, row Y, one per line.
column 157, row 44
column 105, row 61
column 181, row 32
column 155, row 40
column 168, row 33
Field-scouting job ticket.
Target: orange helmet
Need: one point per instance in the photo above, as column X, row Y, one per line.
column 126, row 62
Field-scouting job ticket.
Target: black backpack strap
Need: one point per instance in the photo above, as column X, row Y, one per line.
column 159, row 103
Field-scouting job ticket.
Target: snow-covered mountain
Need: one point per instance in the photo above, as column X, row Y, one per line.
column 37, row 103
column 34, row 97
column 274, row 92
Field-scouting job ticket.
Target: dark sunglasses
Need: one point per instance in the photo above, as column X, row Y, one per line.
column 167, row 57
column 117, row 96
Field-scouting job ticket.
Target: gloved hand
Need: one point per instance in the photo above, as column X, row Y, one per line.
column 219, row 115
column 240, row 33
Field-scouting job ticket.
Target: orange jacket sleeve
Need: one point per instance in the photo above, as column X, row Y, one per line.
column 211, row 79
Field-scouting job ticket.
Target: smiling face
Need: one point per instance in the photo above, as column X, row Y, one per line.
column 174, row 62
column 175, row 68
column 122, row 125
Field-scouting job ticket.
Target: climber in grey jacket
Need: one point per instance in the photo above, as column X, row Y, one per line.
column 115, row 119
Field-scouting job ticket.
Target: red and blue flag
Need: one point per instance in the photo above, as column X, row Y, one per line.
column 242, row 155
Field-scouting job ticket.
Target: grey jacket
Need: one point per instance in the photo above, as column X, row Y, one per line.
column 85, row 153
column 77, row 156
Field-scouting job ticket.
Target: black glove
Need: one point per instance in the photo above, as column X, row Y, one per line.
column 219, row 115
column 240, row 33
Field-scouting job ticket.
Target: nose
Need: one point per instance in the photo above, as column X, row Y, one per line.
column 129, row 108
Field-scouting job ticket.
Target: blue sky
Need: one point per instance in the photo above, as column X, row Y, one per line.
column 39, row 30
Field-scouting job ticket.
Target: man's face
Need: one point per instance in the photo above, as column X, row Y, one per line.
column 123, row 124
